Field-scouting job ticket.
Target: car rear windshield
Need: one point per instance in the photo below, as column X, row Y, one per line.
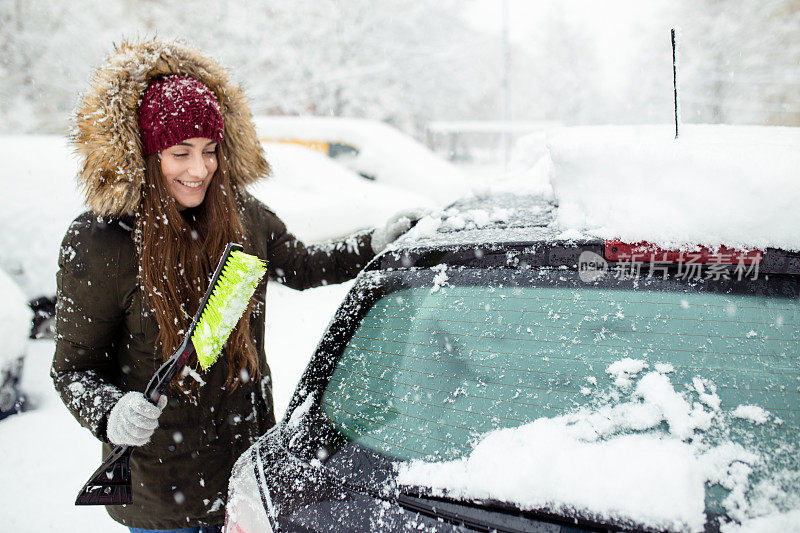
column 445, row 356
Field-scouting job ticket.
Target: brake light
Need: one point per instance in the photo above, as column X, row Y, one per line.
column 646, row 252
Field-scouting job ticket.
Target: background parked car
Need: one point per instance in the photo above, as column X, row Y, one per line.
column 15, row 326
column 372, row 149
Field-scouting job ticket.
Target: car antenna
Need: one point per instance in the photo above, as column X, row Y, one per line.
column 675, row 33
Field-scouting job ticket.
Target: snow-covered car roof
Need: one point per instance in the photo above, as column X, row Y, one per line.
column 483, row 219
column 714, row 185
column 732, row 186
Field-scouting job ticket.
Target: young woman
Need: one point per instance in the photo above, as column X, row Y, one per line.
column 168, row 146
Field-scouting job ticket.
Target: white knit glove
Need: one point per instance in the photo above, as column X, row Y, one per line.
column 133, row 419
column 396, row 226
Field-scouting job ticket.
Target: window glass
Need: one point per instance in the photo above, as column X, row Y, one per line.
column 431, row 368
column 337, row 150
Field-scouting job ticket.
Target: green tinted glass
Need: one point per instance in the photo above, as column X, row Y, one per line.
column 429, row 371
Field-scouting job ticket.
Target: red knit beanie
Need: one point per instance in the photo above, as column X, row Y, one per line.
column 175, row 108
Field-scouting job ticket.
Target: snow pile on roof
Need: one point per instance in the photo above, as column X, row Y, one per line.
column 733, row 185
column 483, row 217
column 40, row 199
column 319, row 199
column 384, row 153
column 640, row 456
column 15, row 320
column 530, row 169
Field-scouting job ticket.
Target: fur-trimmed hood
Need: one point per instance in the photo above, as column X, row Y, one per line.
column 106, row 133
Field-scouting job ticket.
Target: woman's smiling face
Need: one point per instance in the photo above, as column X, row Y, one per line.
column 187, row 168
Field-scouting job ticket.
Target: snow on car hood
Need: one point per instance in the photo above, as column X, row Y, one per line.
column 733, row 185
column 615, row 461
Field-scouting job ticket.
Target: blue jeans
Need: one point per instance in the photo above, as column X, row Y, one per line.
column 209, row 529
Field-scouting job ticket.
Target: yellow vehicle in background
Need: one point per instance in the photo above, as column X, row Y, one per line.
column 331, row 149
column 374, row 150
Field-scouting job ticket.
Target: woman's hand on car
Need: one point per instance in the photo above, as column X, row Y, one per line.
column 133, row 419
column 396, row 225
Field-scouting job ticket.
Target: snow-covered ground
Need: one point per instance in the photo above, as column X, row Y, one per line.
column 47, row 457
column 295, row 322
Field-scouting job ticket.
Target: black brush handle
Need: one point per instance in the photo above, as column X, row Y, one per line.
column 167, row 371
column 111, row 483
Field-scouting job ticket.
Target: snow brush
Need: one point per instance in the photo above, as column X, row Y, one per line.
column 232, row 285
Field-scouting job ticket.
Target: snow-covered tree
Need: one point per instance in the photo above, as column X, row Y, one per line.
column 742, row 61
column 403, row 61
column 411, row 61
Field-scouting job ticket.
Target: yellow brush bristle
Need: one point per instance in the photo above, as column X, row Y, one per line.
column 226, row 305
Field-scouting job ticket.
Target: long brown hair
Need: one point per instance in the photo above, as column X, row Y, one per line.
column 178, row 251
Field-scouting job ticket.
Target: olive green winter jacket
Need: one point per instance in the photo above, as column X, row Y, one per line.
column 106, row 346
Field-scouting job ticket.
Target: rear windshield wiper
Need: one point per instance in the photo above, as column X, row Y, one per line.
column 483, row 517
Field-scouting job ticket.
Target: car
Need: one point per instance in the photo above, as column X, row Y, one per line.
column 15, row 327
column 438, row 344
column 372, row 149
column 493, row 371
